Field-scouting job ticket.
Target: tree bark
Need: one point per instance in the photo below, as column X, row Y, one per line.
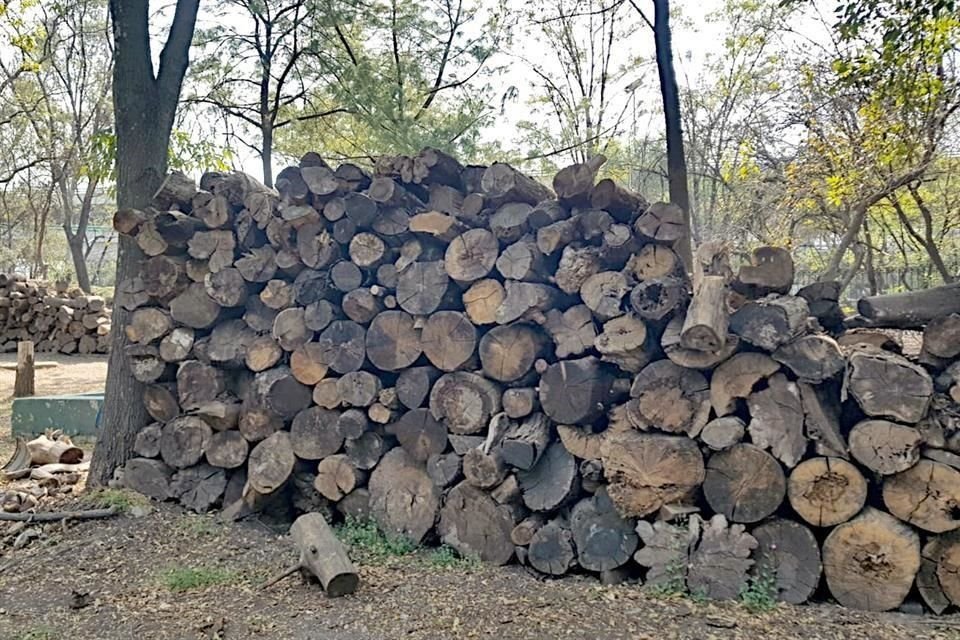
column 676, row 161
column 144, row 107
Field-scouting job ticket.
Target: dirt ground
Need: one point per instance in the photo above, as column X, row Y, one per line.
column 174, row 575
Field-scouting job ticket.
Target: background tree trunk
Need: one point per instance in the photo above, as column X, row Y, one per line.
column 144, row 107
column 676, row 161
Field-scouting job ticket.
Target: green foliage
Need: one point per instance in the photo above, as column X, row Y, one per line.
column 673, row 584
column 122, row 500
column 179, row 579
column 759, row 595
column 38, row 632
column 368, row 542
column 446, row 557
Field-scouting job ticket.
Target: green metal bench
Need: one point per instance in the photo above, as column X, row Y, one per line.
column 75, row 414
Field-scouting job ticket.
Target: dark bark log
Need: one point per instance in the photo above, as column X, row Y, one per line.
column 624, row 205
column 771, row 321
column 552, row 482
column 523, row 444
column 552, row 550
column 257, row 424
column 812, row 358
column 658, row 298
column 149, row 477
column 198, row 488
column 575, row 391
column 195, row 308
column 913, row 309
column 476, row 526
column 604, row 540
column 392, row 341
column 501, row 180
column 744, row 483
column 770, row 271
column 788, row 551
column 366, row 451
column 414, row 384
column 280, row 392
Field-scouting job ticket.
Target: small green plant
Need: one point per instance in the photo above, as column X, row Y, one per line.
column 367, row 541
column 121, row 500
column 40, row 632
column 180, row 579
column 759, row 595
column 672, row 584
column 197, row 525
column 446, row 557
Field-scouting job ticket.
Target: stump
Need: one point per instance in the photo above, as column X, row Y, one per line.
column 24, row 385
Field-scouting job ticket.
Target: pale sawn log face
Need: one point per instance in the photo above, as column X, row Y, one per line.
column 467, row 355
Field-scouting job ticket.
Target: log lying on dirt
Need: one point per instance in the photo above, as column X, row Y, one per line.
column 464, row 355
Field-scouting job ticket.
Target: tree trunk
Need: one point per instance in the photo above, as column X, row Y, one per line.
column 676, row 162
column 75, row 242
column 144, row 107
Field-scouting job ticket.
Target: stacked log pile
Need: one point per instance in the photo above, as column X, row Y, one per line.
column 54, row 317
column 469, row 356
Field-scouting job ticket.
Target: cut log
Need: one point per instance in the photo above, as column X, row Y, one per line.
column 476, row 526
column 654, row 261
column 771, row 321
column 671, row 398
column 147, row 325
column 826, row 491
column 657, row 298
column 420, row 434
column 690, row 358
column 198, row 383
column 484, row 469
column 552, row 482
column 198, row 488
column 353, row 423
column 576, row 265
column 719, row 563
column 662, row 222
column 471, row 255
column 323, row 556
column 464, row 401
column 723, row 433
column 392, row 341
column 147, row 442
column 508, row 352
column 647, row 471
column 258, row 265
column 367, row 450
column 941, row 337
column 482, row 300
column 821, row 415
column 277, row 390
column 603, row 293
column 164, row 276
column 519, row 402
column 623, row 204
column 948, row 567
column 422, row 287
column 24, row 384
column 216, row 247
column 744, row 483
column 183, row 441
column 257, row 424
column 443, row 226
column 575, row 391
column 358, row 388
column 336, row 477
column 445, row 469
column 45, row 450
column 522, row 260
column 227, row 449
column 912, row 309
column 278, row 294
column 318, row 315
column 574, row 184
column 195, row 308
column 770, row 271
column 736, row 377
column 552, row 550
column 145, row 363
column 271, row 463
column 316, row 247
column 262, row 354
column 161, row 402
column 526, row 301
column 706, row 322
column 449, row 340
column 523, row 444
column 871, row 561
column 927, row 496
column 812, row 358
column 403, row 500
column 229, row 342
column 306, row 364
column 176, row 345
column 343, row 347
column 500, row 180
column 604, row 539
column 149, row 477
column 788, row 551
column 346, row 276
column 887, row 385
column 314, row 434
column 413, row 385
column 885, row 447
column 928, row 583
column 509, row 221
column 776, row 420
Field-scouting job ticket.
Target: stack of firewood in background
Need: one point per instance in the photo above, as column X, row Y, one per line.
column 55, row 317
column 468, row 356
